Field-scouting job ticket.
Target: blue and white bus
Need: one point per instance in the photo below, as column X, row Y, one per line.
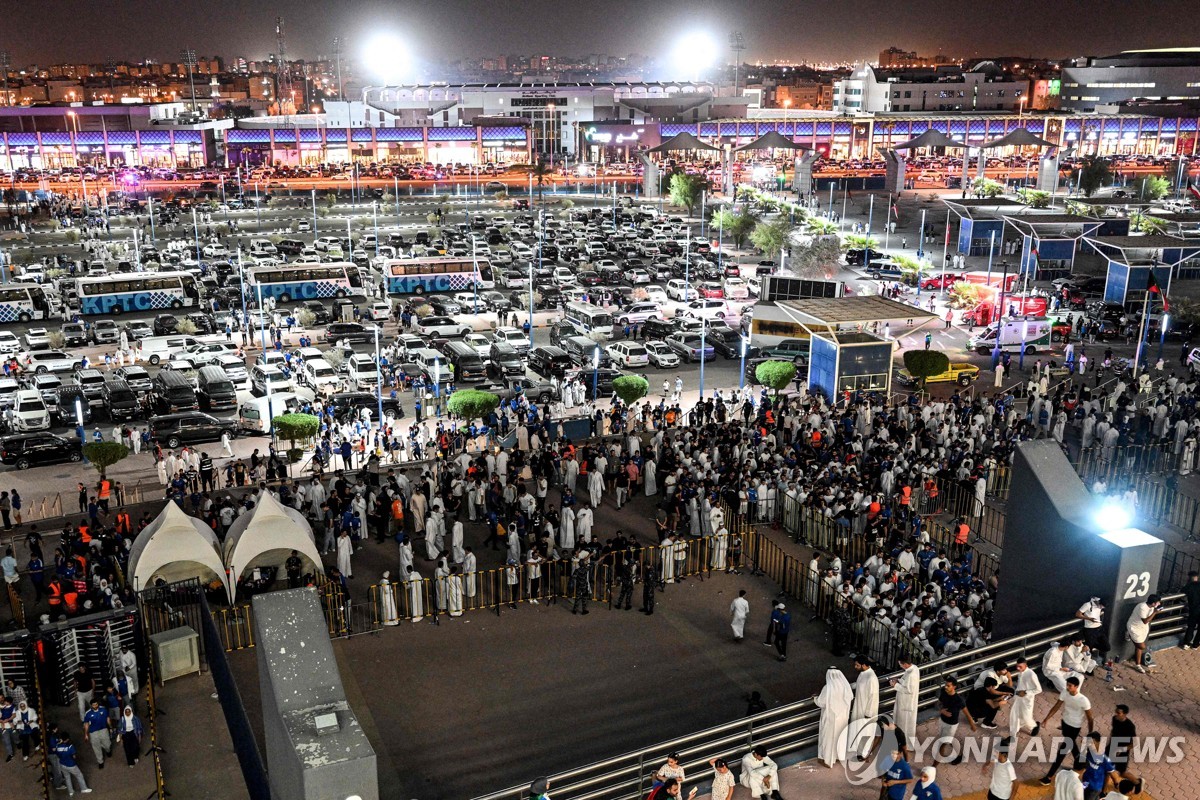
column 22, row 302
column 441, row 274
column 287, row 282
column 137, row 291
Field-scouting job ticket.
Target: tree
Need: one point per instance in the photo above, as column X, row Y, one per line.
column 306, row 319
column 818, row 259
column 540, row 173
column 631, row 388
column 103, row 455
column 685, row 190
column 771, row 237
column 330, row 199
column 186, row 327
column 922, row 364
column 1034, row 198
column 776, row 375
column 986, row 187
column 820, row 227
column 470, row 404
column 859, row 242
column 1091, row 175
column 296, row 428
column 743, row 224
column 1152, row 187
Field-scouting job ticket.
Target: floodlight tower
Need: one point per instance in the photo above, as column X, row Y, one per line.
column 738, row 45
column 283, row 75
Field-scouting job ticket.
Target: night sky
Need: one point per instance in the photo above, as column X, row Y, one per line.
column 87, row 30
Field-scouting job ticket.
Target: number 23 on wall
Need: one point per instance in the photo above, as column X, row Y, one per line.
column 1136, row 585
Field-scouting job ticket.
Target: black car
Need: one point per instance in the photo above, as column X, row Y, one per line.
column 348, row 405
column 658, row 329
column 534, row 389
column 188, row 427
column 444, row 306
column 724, row 340
column 504, row 361
column 165, row 324
column 602, row 379
column 32, row 449
column 350, row 331
column 321, row 315
column 69, row 404
column 564, row 329
column 857, row 256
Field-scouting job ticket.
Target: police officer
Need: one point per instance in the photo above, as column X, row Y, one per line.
column 649, row 583
column 582, row 583
column 625, row 578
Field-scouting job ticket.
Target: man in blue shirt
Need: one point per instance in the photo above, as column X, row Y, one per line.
column 95, row 731
column 1099, row 768
column 898, row 777
column 65, row 751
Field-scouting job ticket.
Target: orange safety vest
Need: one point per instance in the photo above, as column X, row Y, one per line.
column 905, row 495
column 931, row 489
column 71, row 599
column 964, row 530
column 54, row 590
column 105, row 489
column 124, row 525
column 397, row 509
column 84, row 536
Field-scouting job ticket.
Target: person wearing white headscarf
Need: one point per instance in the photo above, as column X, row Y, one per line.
column 927, row 788
column 387, row 597
column 908, row 690
column 834, row 701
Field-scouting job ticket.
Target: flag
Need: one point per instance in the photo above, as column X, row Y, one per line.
column 896, row 210
column 1153, row 288
column 1033, row 252
column 1194, row 191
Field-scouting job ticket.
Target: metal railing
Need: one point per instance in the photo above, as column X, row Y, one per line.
column 786, row 731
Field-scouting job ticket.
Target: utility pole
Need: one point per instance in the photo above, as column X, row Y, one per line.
column 337, row 50
column 189, row 58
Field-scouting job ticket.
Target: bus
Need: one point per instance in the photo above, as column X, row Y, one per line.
column 22, row 302
column 287, row 282
column 593, row 319
column 138, row 291
column 441, row 274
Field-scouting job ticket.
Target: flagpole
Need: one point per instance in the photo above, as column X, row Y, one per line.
column 1137, row 356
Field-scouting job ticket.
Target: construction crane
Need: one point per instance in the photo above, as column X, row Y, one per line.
column 738, row 45
column 283, row 74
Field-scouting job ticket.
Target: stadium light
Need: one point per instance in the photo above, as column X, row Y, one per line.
column 387, row 58
column 693, row 54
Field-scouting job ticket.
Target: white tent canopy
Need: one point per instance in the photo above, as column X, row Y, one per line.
column 266, row 535
column 175, row 547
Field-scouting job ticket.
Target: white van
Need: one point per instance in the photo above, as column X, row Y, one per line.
column 594, row 320
column 160, row 348
column 264, row 376
column 30, row 412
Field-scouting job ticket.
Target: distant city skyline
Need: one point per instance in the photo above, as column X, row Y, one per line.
column 813, row 32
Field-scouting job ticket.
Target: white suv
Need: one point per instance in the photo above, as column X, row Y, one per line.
column 639, row 312
column 30, row 412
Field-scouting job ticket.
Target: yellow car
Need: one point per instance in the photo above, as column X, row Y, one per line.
column 960, row 372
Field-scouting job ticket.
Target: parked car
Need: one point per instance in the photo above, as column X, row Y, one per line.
column 350, row 331
column 42, row 361
column 189, row 427
column 441, row 326
column 35, row 449
column 688, row 346
column 661, row 355
column 629, row 354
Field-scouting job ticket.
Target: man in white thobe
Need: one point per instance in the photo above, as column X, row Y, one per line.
column 740, row 610
column 908, row 690
column 865, row 708
column 470, row 566
column 1026, row 688
column 760, row 774
column 834, row 701
column 416, row 595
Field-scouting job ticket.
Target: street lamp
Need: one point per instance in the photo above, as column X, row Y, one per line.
column 378, row 379
column 745, row 346
column 703, row 350
column 787, row 106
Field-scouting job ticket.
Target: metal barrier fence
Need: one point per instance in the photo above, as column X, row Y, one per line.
column 786, row 731
column 1115, row 465
column 1175, row 568
column 155, row 751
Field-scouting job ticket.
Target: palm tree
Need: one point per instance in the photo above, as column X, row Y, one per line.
column 1092, row 173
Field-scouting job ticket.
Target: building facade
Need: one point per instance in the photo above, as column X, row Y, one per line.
column 877, row 91
column 1169, row 75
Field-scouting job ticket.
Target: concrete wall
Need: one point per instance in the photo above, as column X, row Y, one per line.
column 300, row 680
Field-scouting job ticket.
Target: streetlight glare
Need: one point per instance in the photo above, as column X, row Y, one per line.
column 694, row 53
column 387, row 58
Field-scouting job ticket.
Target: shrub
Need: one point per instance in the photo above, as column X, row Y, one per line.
column 472, row 404
column 187, row 327
column 775, row 375
column 631, row 388
column 103, row 455
column 922, row 364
